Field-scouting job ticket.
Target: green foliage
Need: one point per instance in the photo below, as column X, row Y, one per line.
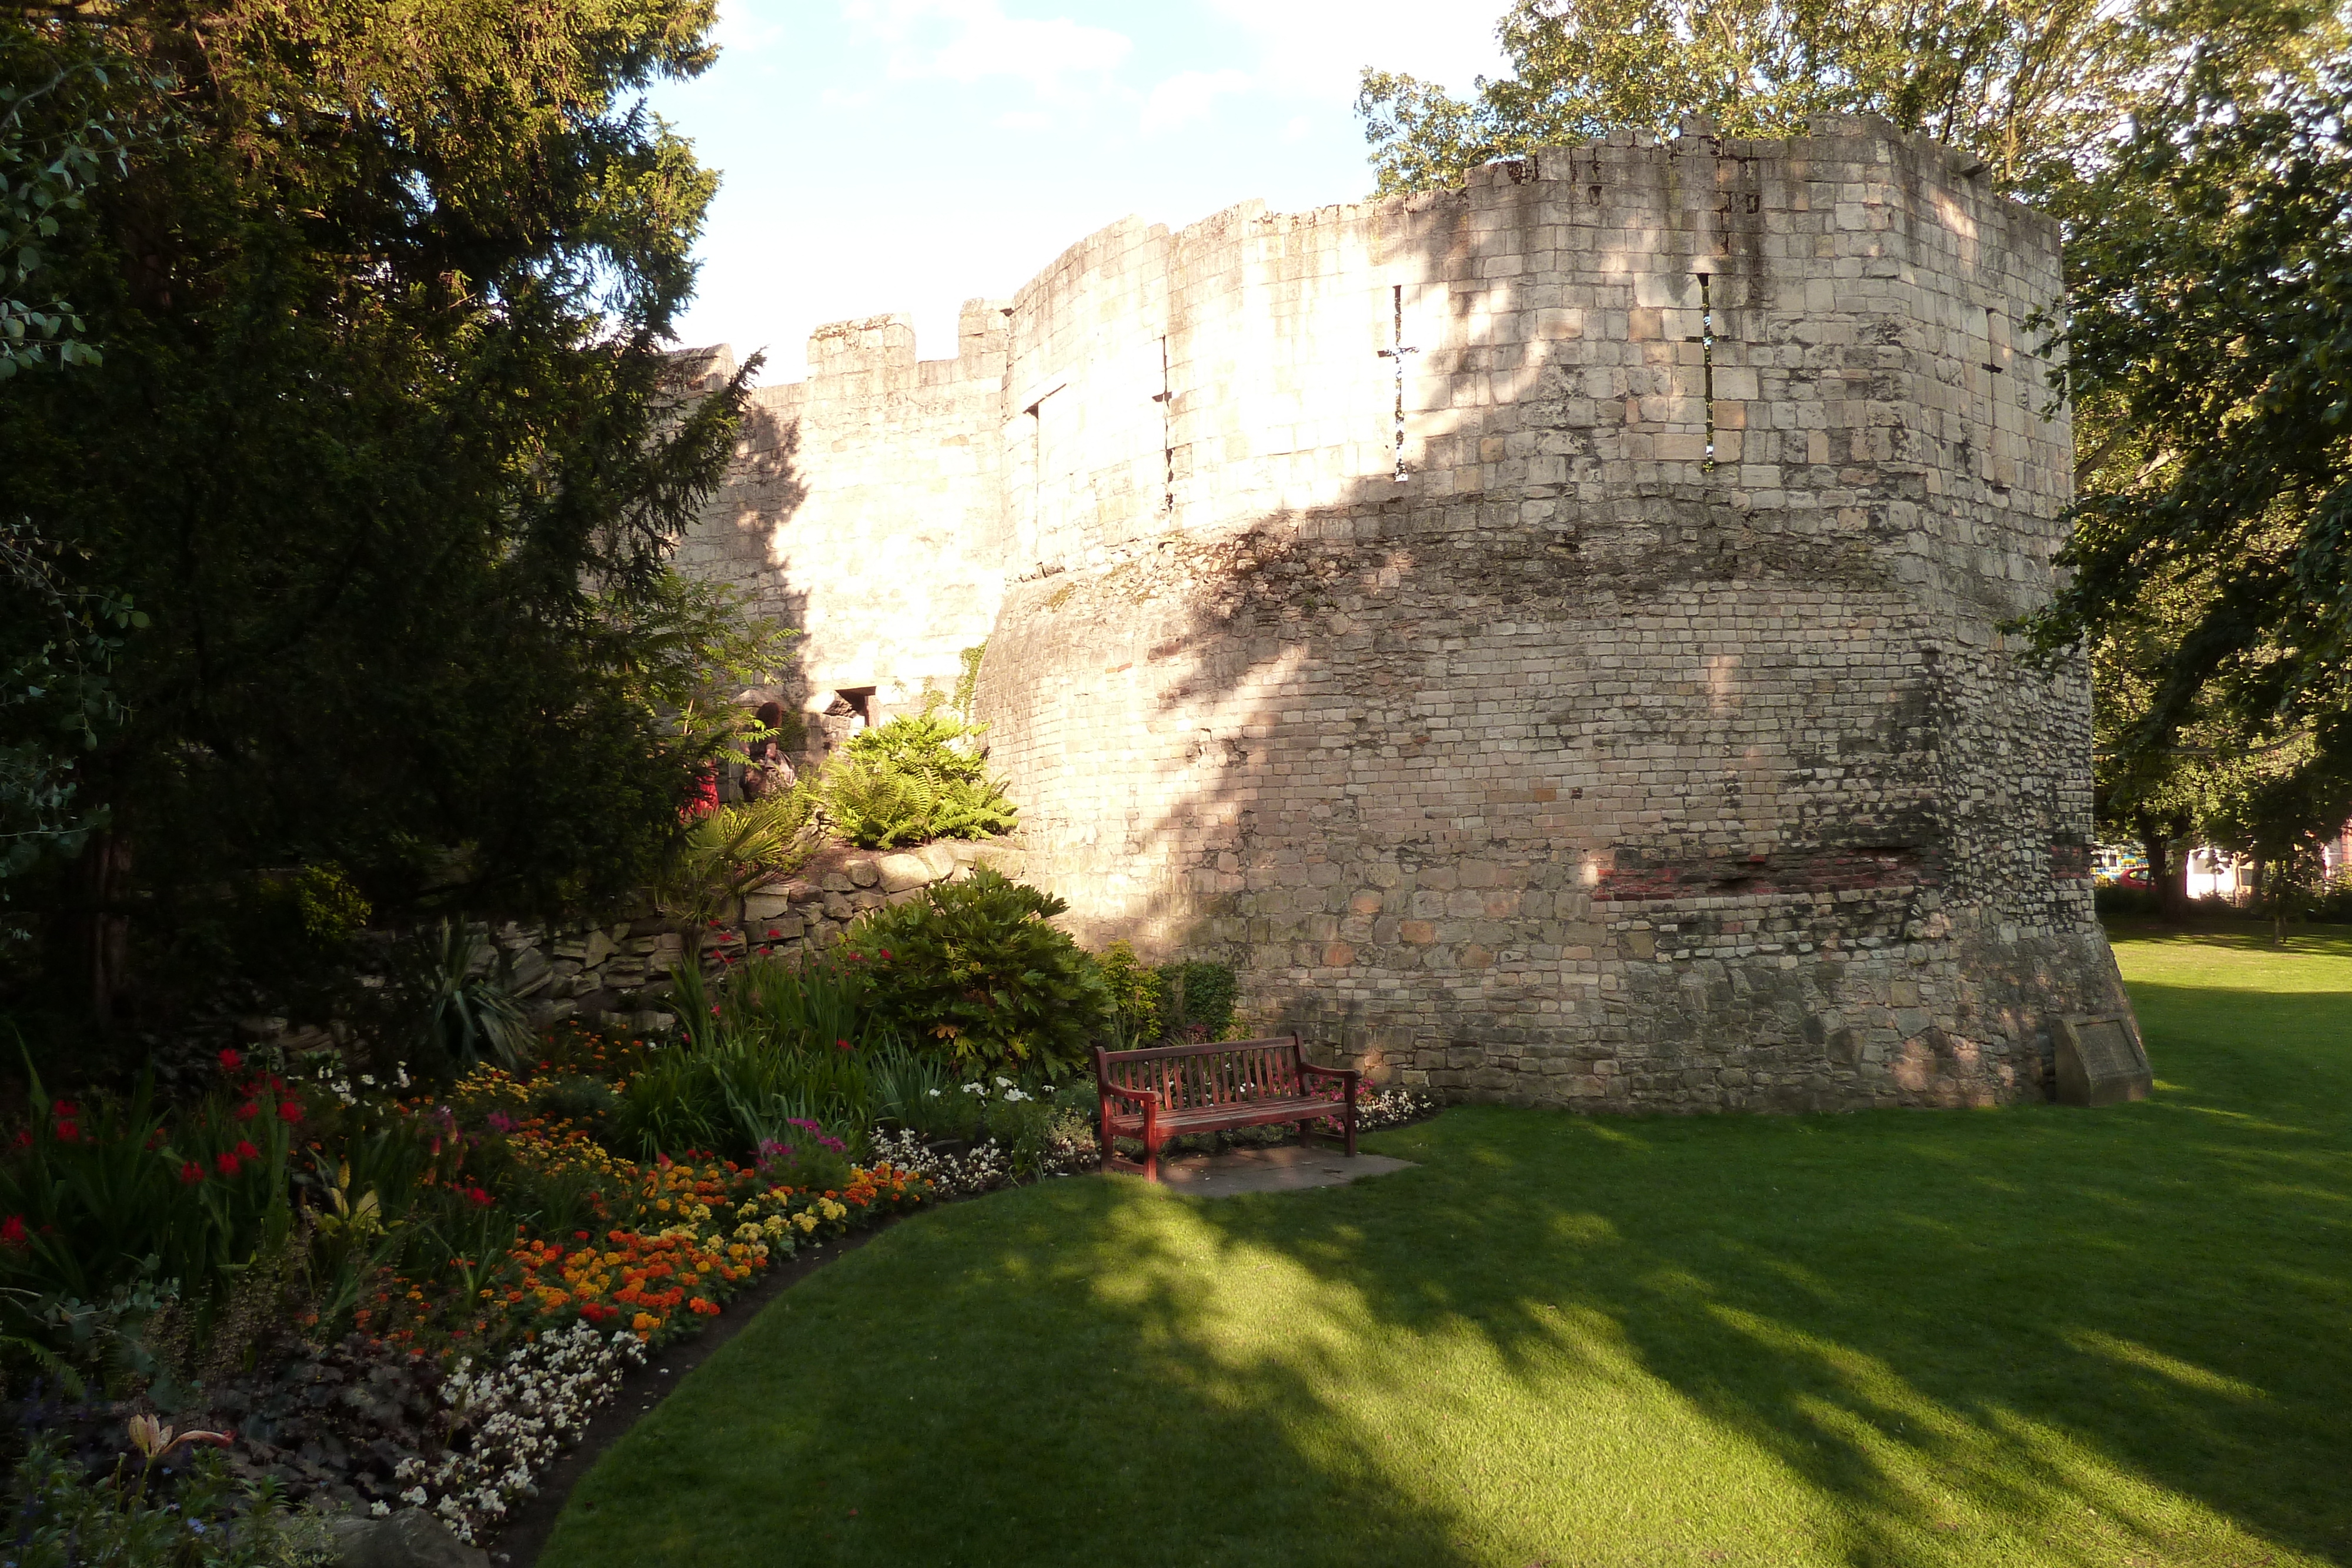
column 2210, row 322
column 57, row 700
column 779, row 1054
column 61, row 132
column 458, row 1007
column 66, row 1517
column 967, row 686
column 332, row 911
column 427, row 607
column 106, row 1199
column 916, row 778
column 1138, row 999
column 1201, row 998
column 724, row 855
column 2021, row 85
column 973, row 970
column 2037, row 90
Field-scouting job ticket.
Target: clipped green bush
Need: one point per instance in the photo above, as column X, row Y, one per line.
column 972, row 969
column 912, row 781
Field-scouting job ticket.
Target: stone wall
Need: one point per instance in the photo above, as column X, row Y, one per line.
column 1546, row 635
column 614, row 973
column 843, row 484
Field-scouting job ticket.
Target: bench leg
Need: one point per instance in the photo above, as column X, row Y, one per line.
column 1351, row 1129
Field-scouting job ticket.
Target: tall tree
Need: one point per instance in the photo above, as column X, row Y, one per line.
column 2023, row 86
column 385, row 441
column 2210, row 330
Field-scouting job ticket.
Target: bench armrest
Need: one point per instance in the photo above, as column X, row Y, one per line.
column 1349, row 1074
column 1142, row 1097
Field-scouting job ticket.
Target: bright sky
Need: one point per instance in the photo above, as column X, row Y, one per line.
column 888, row 155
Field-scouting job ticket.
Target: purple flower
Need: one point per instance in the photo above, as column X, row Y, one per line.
column 501, row 1122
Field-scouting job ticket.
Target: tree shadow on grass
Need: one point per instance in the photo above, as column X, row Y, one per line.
column 2029, row 1336
column 2036, row 1335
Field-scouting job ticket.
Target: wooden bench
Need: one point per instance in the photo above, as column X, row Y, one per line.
column 1165, row 1091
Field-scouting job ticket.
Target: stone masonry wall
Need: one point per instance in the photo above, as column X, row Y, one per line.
column 841, row 483
column 614, row 973
column 1638, row 746
column 1546, row 635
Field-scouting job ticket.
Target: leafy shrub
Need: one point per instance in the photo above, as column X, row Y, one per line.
column 332, row 908
column 1199, row 999
column 973, row 970
column 721, row 855
column 64, row 1517
column 576, row 1098
column 459, row 1008
column 1137, row 999
column 911, row 780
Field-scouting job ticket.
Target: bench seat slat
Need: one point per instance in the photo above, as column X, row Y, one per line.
column 1168, row 1091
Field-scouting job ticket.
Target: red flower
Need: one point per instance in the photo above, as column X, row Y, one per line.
column 844, row 1044
column 25, row 1139
column 64, row 1110
column 67, row 1132
column 248, row 1151
column 476, row 1195
column 230, row 1061
column 773, row 933
column 12, row 1232
column 192, row 1173
column 247, row 1112
column 885, row 953
column 289, row 1110
column 225, row 1165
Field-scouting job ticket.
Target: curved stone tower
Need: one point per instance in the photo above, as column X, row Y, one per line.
column 1547, row 635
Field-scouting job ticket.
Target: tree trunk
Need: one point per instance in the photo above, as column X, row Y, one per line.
column 2168, row 872
column 99, row 928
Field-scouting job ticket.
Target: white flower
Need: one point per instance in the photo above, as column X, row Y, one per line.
column 934, row 1094
column 379, row 1508
column 979, row 1088
column 1004, row 1083
column 414, row 1496
column 368, row 1078
column 1013, row 1096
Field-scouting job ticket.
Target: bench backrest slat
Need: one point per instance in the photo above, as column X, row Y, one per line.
column 1208, row 1076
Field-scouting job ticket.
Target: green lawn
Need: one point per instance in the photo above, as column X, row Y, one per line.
column 2000, row 1337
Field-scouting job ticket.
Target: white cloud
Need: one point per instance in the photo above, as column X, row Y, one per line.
column 1024, row 120
column 1316, row 48
column 1188, row 96
column 969, row 40
column 742, row 29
